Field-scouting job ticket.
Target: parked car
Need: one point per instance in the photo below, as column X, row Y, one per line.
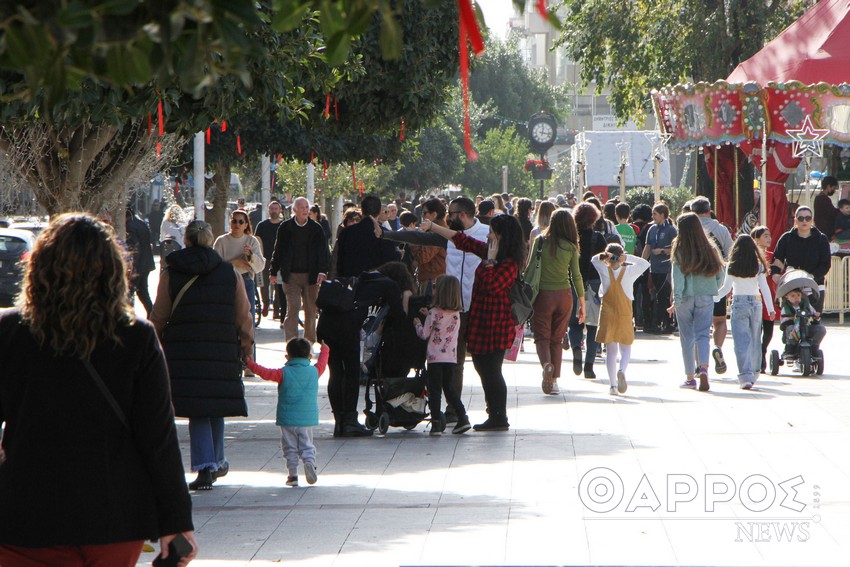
column 34, row 226
column 15, row 248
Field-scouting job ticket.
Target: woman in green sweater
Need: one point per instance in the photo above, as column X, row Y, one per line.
column 557, row 251
column 698, row 273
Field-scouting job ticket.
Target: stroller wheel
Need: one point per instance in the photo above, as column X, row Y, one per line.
column 371, row 421
column 383, row 424
column 410, row 427
column 819, row 362
column 774, row 362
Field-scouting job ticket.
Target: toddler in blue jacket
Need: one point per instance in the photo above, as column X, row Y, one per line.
column 297, row 405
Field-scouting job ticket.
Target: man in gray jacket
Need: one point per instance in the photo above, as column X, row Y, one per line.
column 701, row 206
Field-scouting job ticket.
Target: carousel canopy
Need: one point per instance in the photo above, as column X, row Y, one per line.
column 803, row 73
column 814, row 49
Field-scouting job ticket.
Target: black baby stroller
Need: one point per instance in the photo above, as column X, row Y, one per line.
column 389, row 351
column 800, row 352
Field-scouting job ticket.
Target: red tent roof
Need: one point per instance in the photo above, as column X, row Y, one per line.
column 815, row 48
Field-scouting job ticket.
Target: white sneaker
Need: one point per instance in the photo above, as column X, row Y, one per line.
column 613, row 391
column 310, row 473
column 621, row 382
column 555, row 389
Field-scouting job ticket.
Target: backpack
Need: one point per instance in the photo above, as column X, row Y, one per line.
column 337, row 294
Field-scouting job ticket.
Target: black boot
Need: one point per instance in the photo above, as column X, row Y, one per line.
column 576, row 360
column 493, row 423
column 338, row 420
column 588, row 370
column 204, row 481
column 352, row 428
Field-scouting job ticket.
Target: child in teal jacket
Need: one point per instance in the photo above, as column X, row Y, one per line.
column 297, row 405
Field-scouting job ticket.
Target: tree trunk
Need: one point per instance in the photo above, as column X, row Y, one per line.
column 81, row 169
column 221, row 185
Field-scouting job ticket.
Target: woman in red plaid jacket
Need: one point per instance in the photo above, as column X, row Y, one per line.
column 491, row 328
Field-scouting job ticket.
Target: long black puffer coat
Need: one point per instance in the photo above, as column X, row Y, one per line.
column 200, row 341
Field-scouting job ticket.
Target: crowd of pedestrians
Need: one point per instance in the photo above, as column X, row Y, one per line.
column 444, row 272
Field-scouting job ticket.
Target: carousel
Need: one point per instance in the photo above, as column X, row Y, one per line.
column 779, row 109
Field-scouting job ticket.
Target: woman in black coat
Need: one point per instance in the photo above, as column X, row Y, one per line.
column 202, row 316
column 92, row 463
column 390, row 284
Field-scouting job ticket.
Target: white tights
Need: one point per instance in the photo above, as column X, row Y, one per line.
column 611, row 360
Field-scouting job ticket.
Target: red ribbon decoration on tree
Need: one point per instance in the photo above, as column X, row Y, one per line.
column 239, row 144
column 328, row 105
column 312, row 158
column 159, row 117
column 209, row 136
column 541, row 9
column 401, row 134
column 224, row 125
column 324, row 170
column 353, row 177
column 468, row 29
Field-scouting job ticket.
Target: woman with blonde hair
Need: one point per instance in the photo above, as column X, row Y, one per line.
column 697, row 276
column 541, row 219
column 92, row 463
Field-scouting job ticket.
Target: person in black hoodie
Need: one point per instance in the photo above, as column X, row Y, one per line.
column 803, row 247
column 203, row 319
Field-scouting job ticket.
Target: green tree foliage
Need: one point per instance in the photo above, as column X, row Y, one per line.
column 500, row 146
column 516, row 90
column 56, row 44
column 634, row 46
column 365, row 117
column 435, row 161
column 77, row 151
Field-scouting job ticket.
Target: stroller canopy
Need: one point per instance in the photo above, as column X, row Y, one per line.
column 796, row 279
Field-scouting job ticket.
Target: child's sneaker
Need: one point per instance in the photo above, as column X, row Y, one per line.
column 462, row 425
column 556, row 390
column 747, row 386
column 310, row 473
column 612, row 391
column 689, row 383
column 292, row 480
column 621, row 382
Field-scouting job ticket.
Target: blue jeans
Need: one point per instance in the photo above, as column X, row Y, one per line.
column 746, row 334
column 250, row 288
column 206, row 442
column 693, row 314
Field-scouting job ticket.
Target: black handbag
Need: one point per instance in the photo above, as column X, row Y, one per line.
column 522, row 299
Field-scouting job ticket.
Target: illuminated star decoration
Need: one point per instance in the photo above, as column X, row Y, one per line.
column 659, row 144
column 808, row 140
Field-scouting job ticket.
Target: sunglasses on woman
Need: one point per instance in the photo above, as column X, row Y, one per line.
column 804, row 218
column 238, row 221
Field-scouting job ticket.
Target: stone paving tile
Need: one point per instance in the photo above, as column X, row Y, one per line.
column 524, row 497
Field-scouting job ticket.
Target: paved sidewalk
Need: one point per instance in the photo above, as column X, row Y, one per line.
column 674, row 476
